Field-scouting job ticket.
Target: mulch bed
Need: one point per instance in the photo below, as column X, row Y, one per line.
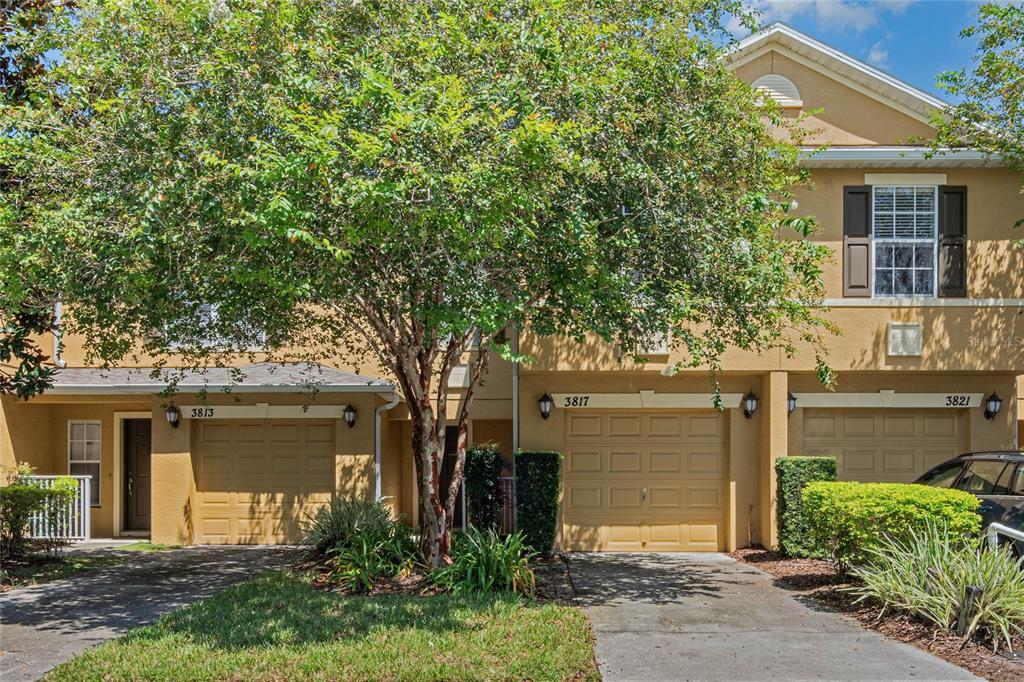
column 818, row 580
column 553, row 580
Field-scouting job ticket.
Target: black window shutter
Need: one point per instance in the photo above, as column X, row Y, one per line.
column 952, row 241
column 857, row 240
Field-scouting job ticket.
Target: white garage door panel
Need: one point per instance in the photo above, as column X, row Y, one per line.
column 649, row 481
column 895, row 446
column 257, row 481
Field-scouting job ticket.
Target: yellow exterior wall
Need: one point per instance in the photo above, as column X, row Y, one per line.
column 847, row 116
column 25, row 430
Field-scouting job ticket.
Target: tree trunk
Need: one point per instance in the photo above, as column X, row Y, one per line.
column 435, row 524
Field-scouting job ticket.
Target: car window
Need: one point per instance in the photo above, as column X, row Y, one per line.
column 942, row 476
column 982, row 478
column 1017, row 481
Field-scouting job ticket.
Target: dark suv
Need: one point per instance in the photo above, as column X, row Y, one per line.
column 997, row 478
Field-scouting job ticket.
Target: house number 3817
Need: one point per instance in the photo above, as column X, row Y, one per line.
column 576, row 401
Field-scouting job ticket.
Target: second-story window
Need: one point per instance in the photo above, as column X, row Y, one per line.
column 905, row 221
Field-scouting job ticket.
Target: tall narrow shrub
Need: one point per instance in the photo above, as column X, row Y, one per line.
column 483, row 486
column 538, row 480
column 796, row 536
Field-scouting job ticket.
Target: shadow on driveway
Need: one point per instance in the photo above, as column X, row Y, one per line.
column 45, row 625
column 708, row 617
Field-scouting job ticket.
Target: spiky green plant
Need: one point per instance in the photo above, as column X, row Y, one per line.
column 483, row 561
column 926, row 572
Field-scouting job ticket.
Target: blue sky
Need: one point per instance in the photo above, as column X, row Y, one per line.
column 913, row 40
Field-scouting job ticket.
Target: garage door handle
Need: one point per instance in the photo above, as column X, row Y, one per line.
column 643, row 495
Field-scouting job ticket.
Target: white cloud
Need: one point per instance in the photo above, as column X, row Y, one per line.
column 878, row 56
column 858, row 15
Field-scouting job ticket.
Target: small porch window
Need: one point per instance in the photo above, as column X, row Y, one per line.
column 84, row 454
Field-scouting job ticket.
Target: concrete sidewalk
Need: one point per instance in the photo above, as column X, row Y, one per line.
column 43, row 626
column 708, row 617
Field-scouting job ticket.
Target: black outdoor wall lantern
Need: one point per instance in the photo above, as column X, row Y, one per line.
column 749, row 405
column 350, row 415
column 992, row 405
column 546, row 402
column 173, row 415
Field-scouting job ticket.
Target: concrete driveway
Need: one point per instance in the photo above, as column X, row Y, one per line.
column 43, row 626
column 708, row 617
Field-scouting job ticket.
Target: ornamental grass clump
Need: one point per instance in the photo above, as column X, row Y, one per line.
column 926, row 574
column 483, row 561
column 343, row 519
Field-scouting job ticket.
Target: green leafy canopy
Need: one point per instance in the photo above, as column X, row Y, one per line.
column 345, row 173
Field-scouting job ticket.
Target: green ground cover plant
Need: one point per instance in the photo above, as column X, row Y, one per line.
column 927, row 572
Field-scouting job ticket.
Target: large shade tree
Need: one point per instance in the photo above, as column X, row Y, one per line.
column 407, row 180
column 990, row 112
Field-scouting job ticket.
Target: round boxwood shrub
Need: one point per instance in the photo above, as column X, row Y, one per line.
column 538, row 480
column 483, row 486
column 796, row 538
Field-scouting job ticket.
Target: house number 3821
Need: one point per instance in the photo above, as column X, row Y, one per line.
column 576, row 401
column 958, row 400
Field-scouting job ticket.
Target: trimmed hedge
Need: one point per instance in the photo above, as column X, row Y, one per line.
column 796, row 538
column 483, row 486
column 538, row 481
column 849, row 519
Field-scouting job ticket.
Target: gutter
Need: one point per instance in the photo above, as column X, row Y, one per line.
column 149, row 389
column 377, row 446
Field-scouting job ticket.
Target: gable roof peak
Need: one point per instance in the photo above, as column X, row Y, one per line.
column 837, row 64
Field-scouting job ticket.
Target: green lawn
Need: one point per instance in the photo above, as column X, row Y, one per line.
column 37, row 570
column 277, row 627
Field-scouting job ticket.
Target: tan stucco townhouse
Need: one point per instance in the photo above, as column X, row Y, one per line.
column 925, row 284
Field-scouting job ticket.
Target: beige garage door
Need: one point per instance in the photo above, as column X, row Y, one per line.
column 257, row 479
column 644, row 481
column 891, row 446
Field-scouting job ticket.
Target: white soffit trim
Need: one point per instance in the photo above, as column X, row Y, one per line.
column 890, row 399
column 905, row 179
column 832, row 62
column 923, row 302
column 896, row 157
column 643, row 400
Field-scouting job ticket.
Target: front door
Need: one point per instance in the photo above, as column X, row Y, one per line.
column 136, row 474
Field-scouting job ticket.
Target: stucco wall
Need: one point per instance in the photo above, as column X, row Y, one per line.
column 847, row 117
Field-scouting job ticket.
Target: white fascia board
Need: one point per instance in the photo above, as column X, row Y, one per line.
column 891, row 399
column 896, row 156
column 150, row 389
column 643, row 400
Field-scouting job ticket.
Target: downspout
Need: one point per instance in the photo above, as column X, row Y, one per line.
column 57, row 310
column 515, row 420
column 376, row 444
column 515, row 395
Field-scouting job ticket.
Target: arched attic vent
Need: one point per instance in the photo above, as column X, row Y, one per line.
column 780, row 89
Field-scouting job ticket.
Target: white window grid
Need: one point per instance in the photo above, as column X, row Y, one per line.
column 85, row 453
column 910, row 218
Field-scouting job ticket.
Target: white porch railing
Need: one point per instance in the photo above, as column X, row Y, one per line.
column 71, row 523
column 997, row 529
